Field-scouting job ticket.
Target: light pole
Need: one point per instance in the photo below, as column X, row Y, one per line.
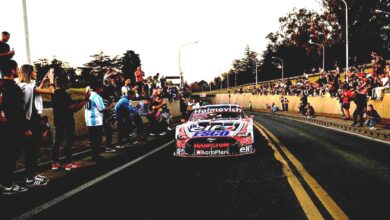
column 227, row 80
column 346, row 37
column 235, row 79
column 256, row 72
column 323, row 53
column 180, row 72
column 26, row 35
column 277, row 58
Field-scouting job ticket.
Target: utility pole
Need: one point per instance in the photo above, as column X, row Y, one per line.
column 26, row 34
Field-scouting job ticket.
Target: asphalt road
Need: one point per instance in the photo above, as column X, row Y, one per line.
column 355, row 172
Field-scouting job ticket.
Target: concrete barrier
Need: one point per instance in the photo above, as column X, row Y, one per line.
column 322, row 105
column 81, row 128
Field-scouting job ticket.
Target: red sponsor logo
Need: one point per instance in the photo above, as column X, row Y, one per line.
column 211, row 145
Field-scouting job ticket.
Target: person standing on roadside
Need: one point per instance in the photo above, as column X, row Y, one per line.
column 361, row 105
column 94, row 108
column 5, row 53
column 109, row 118
column 33, row 106
column 346, row 99
column 139, row 79
column 13, row 127
column 63, row 109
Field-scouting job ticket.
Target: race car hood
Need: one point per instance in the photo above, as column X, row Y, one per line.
column 213, row 128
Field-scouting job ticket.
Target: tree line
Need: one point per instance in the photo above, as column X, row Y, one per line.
column 93, row 70
column 298, row 35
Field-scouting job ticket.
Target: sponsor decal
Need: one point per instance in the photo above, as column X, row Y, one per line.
column 221, row 109
column 220, row 133
column 180, row 151
column 211, row 145
column 212, row 152
column 212, row 128
column 246, row 149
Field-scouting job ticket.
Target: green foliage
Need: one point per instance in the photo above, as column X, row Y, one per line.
column 129, row 63
column 61, row 69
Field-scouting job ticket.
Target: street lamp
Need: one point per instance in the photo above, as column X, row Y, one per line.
column 277, row 58
column 180, row 72
column 323, row 53
column 235, row 79
column 26, row 35
column 346, row 36
column 383, row 12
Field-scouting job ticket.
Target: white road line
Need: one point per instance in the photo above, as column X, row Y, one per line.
column 335, row 129
column 61, row 198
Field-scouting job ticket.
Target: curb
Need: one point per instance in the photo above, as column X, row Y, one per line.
column 360, row 131
column 80, row 155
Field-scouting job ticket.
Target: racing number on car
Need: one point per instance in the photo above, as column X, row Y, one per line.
column 211, row 133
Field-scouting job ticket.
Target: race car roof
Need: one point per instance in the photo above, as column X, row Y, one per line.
column 218, row 108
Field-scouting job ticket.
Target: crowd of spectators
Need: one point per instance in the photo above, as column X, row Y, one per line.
column 332, row 83
column 108, row 106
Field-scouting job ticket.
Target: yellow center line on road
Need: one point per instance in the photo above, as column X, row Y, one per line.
column 307, row 204
column 330, row 205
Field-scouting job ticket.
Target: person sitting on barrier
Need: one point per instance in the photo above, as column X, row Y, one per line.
column 373, row 117
column 310, row 111
column 275, row 108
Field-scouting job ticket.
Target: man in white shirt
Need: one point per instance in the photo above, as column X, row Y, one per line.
column 94, row 109
column 377, row 92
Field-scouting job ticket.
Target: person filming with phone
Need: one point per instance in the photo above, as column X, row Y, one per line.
column 33, row 106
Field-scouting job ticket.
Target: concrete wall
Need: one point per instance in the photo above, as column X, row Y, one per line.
column 81, row 129
column 322, row 105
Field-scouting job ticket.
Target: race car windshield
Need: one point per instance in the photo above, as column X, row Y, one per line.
column 216, row 115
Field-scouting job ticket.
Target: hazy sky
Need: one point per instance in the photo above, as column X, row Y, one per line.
column 74, row 29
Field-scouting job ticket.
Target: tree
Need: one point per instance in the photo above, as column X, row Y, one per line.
column 368, row 30
column 61, row 69
column 96, row 67
column 292, row 42
column 129, row 63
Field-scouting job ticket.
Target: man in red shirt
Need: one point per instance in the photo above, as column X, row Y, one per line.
column 139, row 78
column 346, row 97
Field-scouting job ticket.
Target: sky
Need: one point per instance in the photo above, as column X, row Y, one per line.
column 72, row 30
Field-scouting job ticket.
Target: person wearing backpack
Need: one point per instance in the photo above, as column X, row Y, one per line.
column 33, row 106
column 13, row 127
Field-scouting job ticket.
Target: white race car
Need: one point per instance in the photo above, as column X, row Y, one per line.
column 214, row 131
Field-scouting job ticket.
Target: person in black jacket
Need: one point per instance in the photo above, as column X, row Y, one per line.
column 63, row 109
column 373, row 117
column 13, row 127
column 360, row 99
